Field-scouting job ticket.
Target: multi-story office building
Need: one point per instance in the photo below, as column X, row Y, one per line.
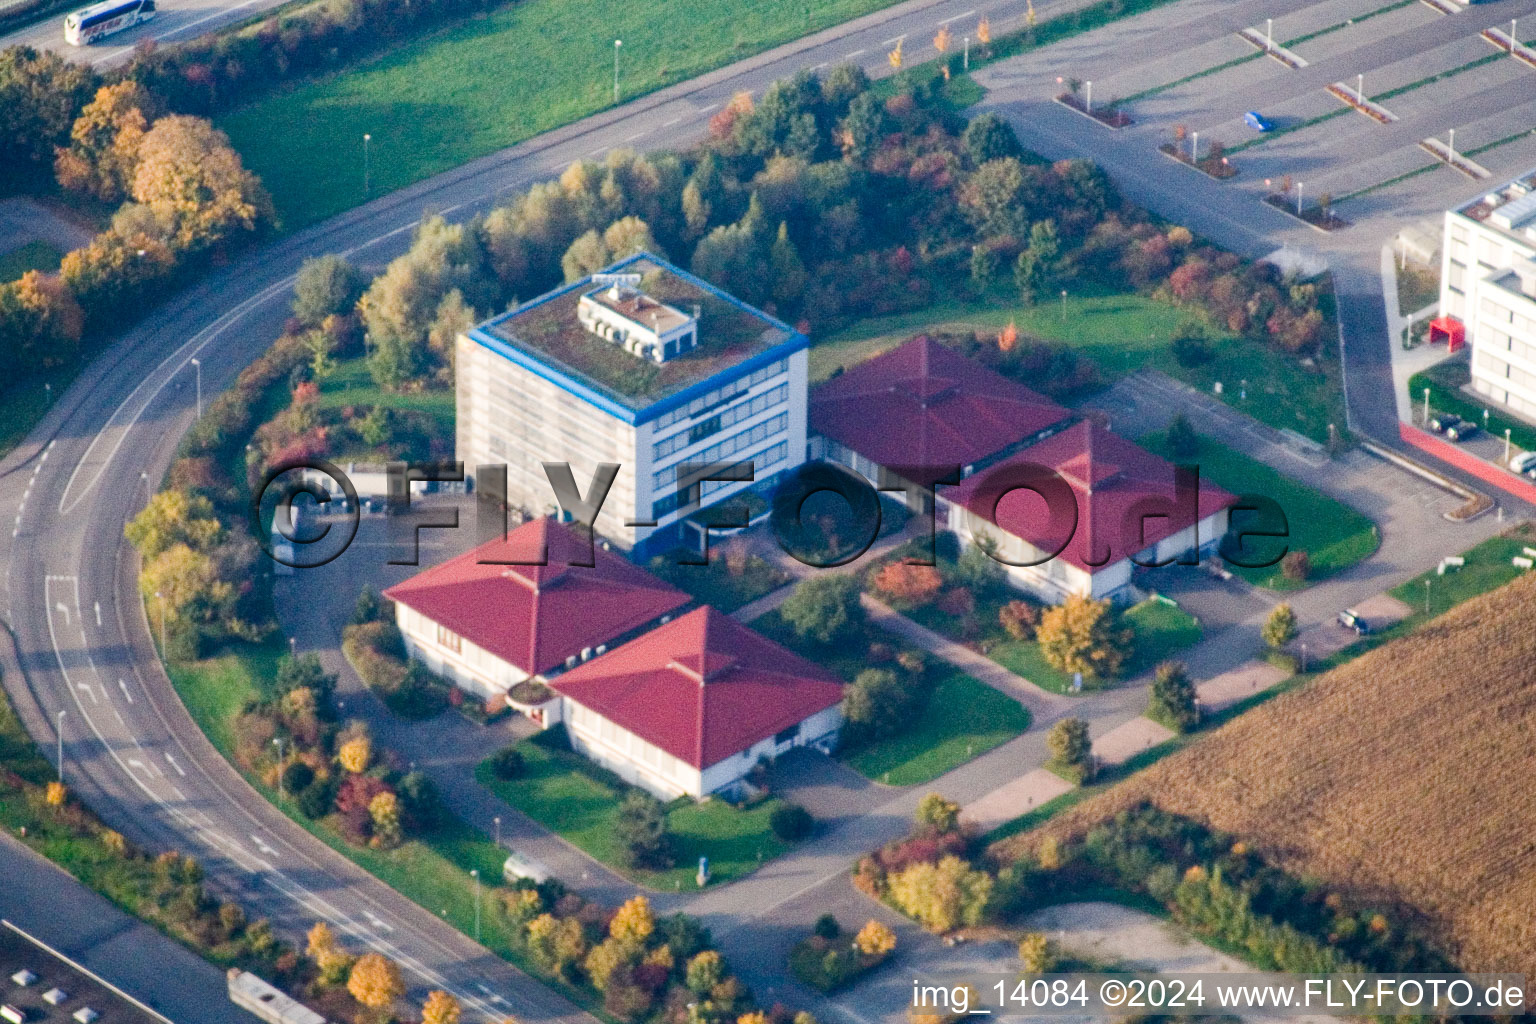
column 1488, row 287
column 646, row 366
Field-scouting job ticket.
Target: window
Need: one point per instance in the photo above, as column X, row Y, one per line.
column 448, row 639
column 786, row 735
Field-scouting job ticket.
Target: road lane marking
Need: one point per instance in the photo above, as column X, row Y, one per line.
column 87, row 688
column 60, row 606
column 179, row 770
column 669, row 124
column 957, row 17
column 124, row 684
column 98, row 614
column 632, row 138
column 855, row 53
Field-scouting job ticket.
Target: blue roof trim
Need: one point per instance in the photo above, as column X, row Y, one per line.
column 580, row 389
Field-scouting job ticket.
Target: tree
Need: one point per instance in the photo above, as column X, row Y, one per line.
column 864, row 128
column 375, row 981
column 189, row 174
column 606, row 958
column 633, row 922
column 174, row 517
column 1172, row 700
column 507, row 763
column 1083, row 635
column 1183, row 442
column 1035, row 953
column 39, row 95
column 842, row 85
column 824, row 608
column 705, row 971
column 1018, row 619
column 440, row 1008
column 875, row 939
column 1280, row 627
column 909, row 582
column 1190, row 345
column 937, row 815
column 878, row 703
column 384, row 812
column 791, row 822
column 325, row 285
column 188, row 583
column 989, row 137
column 785, row 269
column 40, row 321
column 55, row 794
column 641, row 828
column 941, row 896
column 556, row 942
column 993, row 199
column 629, row 236
column 103, row 151
column 1035, row 271
column 1071, row 751
column 355, row 754
column 1296, row 566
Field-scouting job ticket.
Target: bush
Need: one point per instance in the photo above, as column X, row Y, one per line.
column 1280, row 628
column 824, row 608
column 1018, row 619
column 1296, row 566
column 1191, row 347
column 641, row 828
column 1172, row 700
column 826, row 927
column 791, row 822
column 1071, row 750
column 1183, row 442
column 508, row 763
column 297, row 777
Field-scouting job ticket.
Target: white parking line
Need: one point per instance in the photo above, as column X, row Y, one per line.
column 957, row 17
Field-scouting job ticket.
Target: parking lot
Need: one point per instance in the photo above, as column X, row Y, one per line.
column 1187, row 68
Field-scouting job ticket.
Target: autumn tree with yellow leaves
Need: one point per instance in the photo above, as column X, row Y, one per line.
column 355, row 754
column 875, row 939
column 440, row 1008
column 375, row 981
column 190, row 177
column 103, row 151
column 1084, row 635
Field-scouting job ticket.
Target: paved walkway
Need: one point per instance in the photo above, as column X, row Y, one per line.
column 1020, row 796
column 1124, row 742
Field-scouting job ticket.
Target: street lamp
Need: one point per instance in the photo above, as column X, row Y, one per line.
column 1506, row 445
column 1360, row 87
column 1269, row 39
column 475, row 874
column 1426, row 407
column 1298, row 199
column 967, row 63
column 144, row 477
column 497, row 822
column 60, row 730
column 1063, row 304
column 160, row 597
column 1090, row 97
column 277, row 741
column 1303, row 656
column 197, row 364
column 616, row 44
column 1450, row 149
column 367, row 183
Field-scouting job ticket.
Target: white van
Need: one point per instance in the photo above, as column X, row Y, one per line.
column 518, row 866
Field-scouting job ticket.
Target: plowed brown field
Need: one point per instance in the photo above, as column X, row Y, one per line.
column 1406, row 777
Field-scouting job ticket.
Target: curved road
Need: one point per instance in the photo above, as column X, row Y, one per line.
column 77, row 654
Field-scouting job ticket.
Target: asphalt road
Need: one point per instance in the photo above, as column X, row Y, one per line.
column 82, row 646
column 48, row 904
column 174, row 21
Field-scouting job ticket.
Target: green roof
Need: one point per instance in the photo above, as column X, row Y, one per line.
column 730, row 332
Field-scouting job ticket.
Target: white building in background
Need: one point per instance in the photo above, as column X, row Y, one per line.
column 1488, row 291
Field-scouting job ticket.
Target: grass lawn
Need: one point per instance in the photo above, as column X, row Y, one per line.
column 34, row 255
column 439, row 101
column 1487, row 567
column 1121, row 333
column 1159, row 631
column 1445, row 381
column 1332, row 534
column 1417, row 287
column 964, row 718
column 569, row 795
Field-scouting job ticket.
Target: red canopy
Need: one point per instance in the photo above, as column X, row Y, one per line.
column 1448, row 329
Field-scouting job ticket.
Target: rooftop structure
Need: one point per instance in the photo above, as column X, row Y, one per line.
column 705, row 691
column 40, row 985
column 489, row 619
column 589, row 333
column 924, row 404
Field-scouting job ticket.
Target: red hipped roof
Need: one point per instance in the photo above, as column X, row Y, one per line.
column 1114, row 482
column 536, row 616
column 924, row 404
column 703, row 687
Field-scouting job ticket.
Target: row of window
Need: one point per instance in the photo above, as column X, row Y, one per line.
column 738, row 442
column 626, row 742
column 762, row 463
column 1498, row 369
column 727, row 417
column 1492, row 312
column 724, row 393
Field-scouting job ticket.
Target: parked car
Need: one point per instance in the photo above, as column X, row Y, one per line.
column 1443, row 422
column 518, row 865
column 1350, row 620
column 1258, row 122
column 1462, row 430
column 1523, row 462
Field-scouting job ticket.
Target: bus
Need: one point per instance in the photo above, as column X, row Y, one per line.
column 85, row 26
